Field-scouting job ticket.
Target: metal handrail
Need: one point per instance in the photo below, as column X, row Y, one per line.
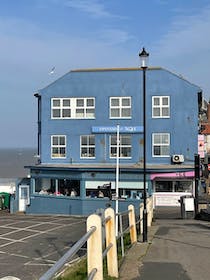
column 72, row 251
column 106, row 220
column 109, row 246
column 107, row 250
column 92, row 274
column 77, row 246
column 120, row 234
column 69, row 254
column 123, row 213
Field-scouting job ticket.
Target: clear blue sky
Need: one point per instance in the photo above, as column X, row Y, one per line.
column 37, row 35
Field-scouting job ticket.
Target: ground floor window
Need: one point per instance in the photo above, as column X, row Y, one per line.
column 132, row 194
column 101, row 191
column 64, row 187
column 173, row 186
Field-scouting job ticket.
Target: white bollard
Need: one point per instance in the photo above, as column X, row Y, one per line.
column 10, row 278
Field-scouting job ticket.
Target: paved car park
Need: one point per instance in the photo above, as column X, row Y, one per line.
column 30, row 245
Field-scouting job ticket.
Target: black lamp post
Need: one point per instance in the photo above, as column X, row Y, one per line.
column 197, row 178
column 144, row 57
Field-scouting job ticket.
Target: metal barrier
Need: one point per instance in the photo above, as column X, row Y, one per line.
column 93, row 237
column 67, row 256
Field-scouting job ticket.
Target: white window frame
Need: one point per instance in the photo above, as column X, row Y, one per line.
column 161, row 143
column 73, row 107
column 85, row 107
column 58, row 146
column 120, row 146
column 120, row 107
column 61, row 108
column 88, row 147
column 161, row 107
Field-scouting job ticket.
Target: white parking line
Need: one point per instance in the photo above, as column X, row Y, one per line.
column 33, row 229
column 11, row 241
column 39, row 264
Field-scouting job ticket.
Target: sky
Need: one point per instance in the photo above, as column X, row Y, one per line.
column 39, row 35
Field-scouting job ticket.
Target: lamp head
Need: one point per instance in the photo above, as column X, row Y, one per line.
column 144, row 58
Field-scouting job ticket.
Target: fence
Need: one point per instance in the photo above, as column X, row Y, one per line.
column 93, row 237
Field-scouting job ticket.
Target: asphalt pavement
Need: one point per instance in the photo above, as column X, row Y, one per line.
column 177, row 249
column 30, row 245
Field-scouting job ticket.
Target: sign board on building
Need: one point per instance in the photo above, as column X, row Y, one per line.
column 168, row 198
column 113, row 129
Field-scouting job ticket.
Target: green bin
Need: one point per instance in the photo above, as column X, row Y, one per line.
column 1, row 202
column 5, row 200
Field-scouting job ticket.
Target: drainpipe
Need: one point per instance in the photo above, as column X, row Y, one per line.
column 38, row 96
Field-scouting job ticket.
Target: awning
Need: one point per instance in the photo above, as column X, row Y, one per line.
column 178, row 175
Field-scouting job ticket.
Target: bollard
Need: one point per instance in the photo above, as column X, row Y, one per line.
column 141, row 217
column 94, row 247
column 149, row 212
column 132, row 224
column 9, row 278
column 112, row 263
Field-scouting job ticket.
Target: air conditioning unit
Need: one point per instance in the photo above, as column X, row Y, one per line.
column 178, row 158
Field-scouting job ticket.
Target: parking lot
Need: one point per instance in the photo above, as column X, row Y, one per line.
column 30, row 245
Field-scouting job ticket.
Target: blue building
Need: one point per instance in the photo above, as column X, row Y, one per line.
column 78, row 116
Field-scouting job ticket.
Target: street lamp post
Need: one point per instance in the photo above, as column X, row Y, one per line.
column 144, row 57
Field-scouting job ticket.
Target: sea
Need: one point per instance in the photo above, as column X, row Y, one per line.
column 14, row 160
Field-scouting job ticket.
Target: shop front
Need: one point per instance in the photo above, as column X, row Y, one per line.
column 169, row 187
column 80, row 190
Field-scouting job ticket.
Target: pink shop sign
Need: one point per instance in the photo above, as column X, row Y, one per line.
column 187, row 174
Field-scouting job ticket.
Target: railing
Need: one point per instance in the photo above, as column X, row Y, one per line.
column 94, row 238
column 67, row 256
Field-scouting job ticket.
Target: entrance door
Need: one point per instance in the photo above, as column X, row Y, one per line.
column 23, row 197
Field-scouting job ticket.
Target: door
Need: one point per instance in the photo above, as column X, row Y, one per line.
column 23, row 197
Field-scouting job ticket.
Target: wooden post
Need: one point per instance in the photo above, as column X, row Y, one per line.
column 148, row 213
column 94, row 247
column 132, row 224
column 112, row 262
column 141, row 217
column 152, row 202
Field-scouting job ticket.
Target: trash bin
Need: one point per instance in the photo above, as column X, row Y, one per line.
column 1, row 202
column 6, row 199
column 187, row 206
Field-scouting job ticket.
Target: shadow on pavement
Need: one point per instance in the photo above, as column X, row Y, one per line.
column 163, row 270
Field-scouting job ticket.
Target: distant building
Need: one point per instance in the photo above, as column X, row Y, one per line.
column 77, row 144
column 204, row 143
column 12, row 171
column 205, row 127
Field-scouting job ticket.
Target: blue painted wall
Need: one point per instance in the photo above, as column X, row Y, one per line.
column 41, row 204
column 182, row 125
